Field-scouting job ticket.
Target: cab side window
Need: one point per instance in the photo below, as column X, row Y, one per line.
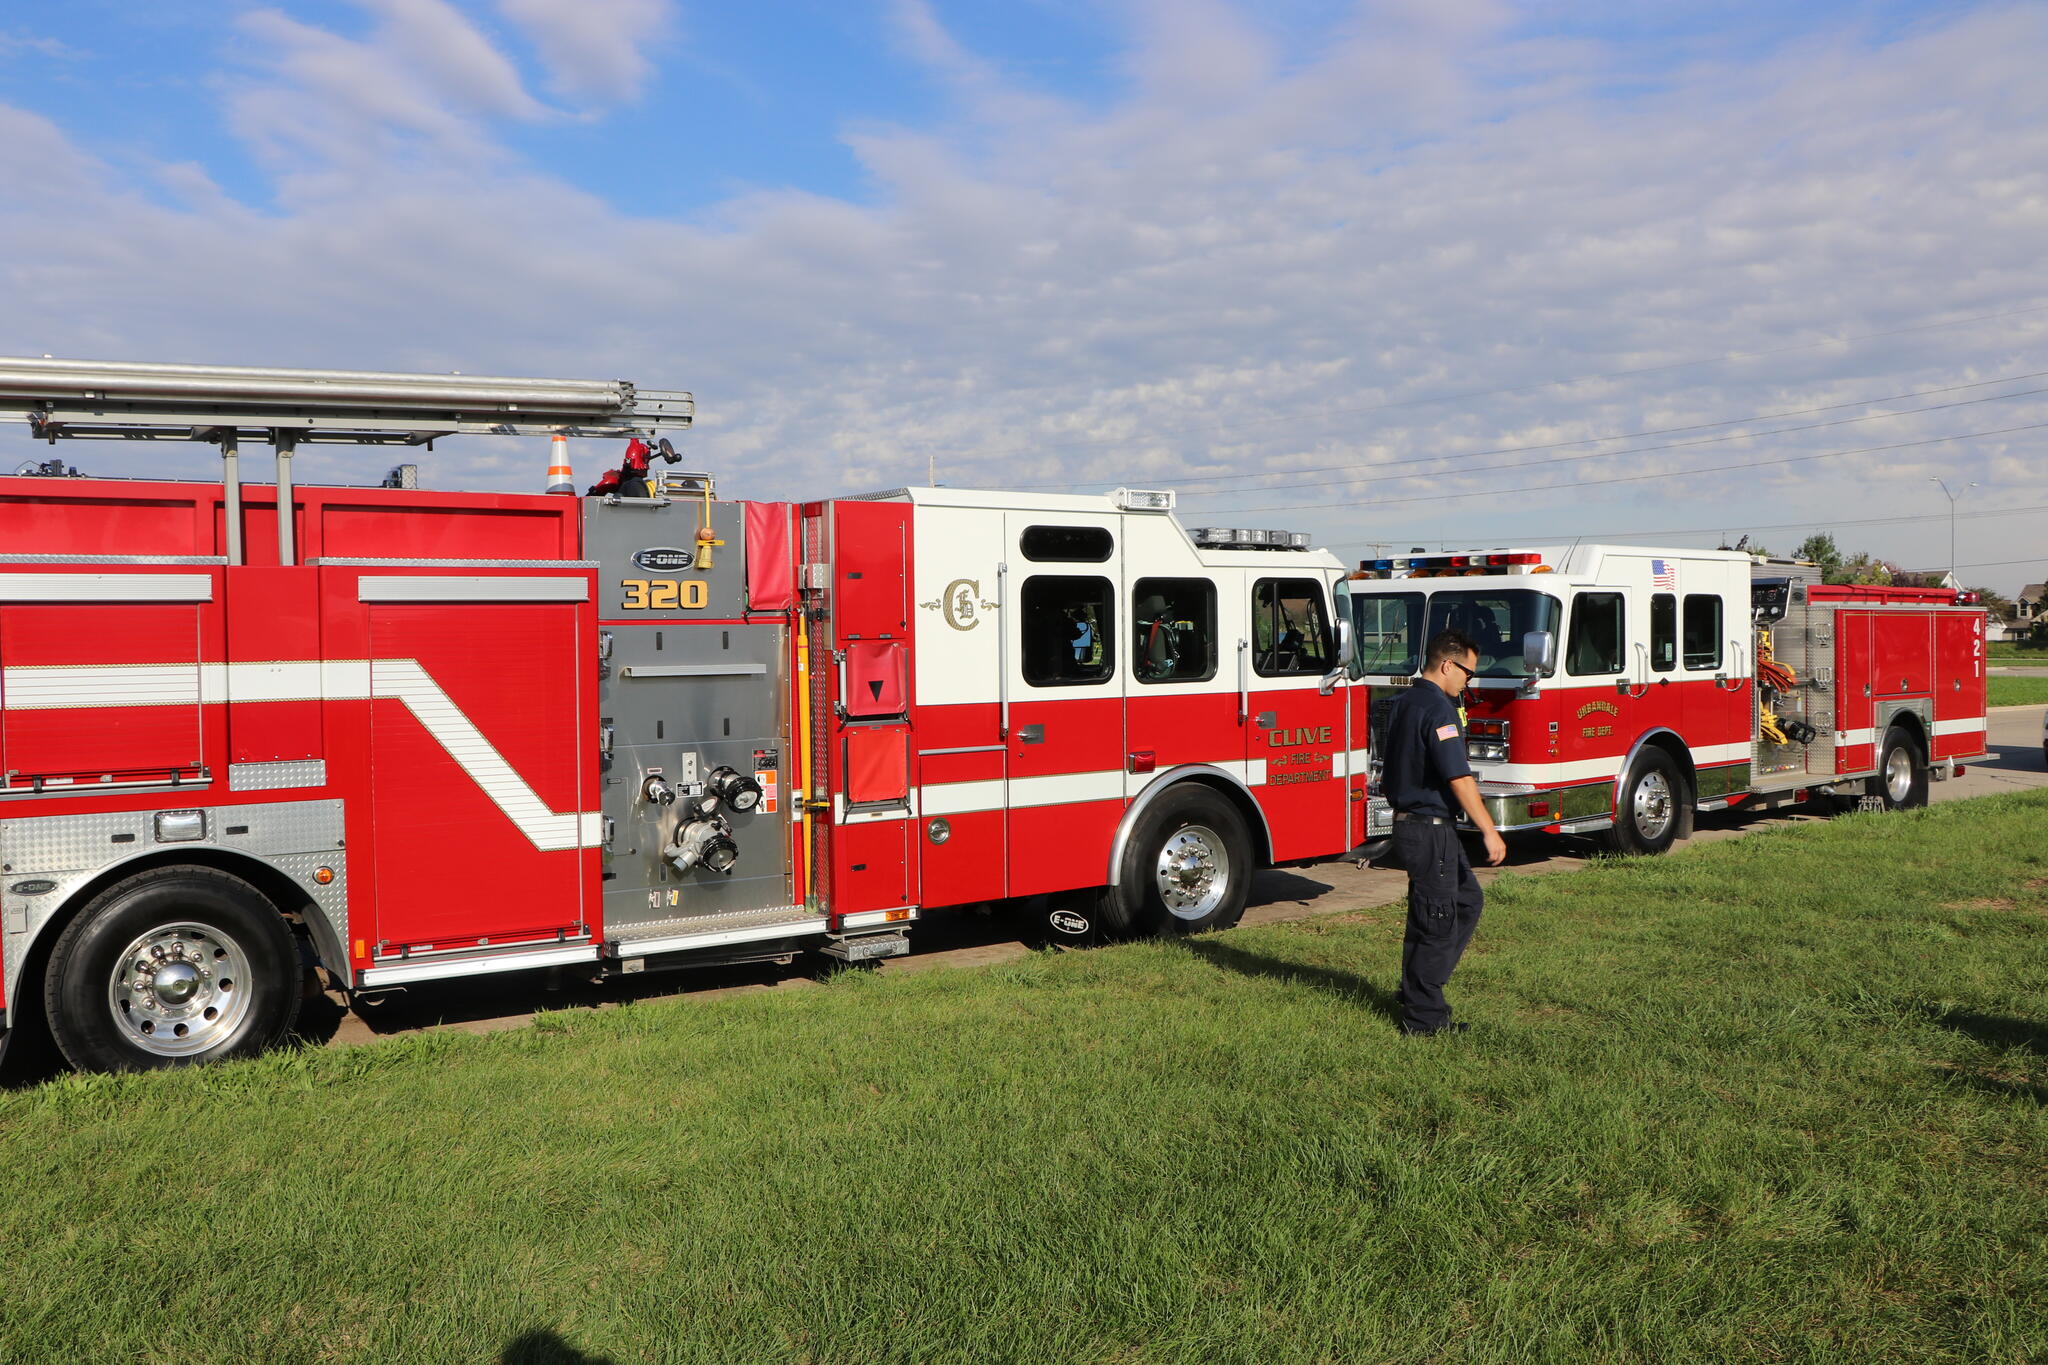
column 1290, row 628
column 1068, row 627
column 1664, row 632
column 1702, row 630
column 1596, row 643
column 1173, row 630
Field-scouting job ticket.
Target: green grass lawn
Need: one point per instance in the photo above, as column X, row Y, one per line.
column 2015, row 691
column 2016, row 649
column 1781, row 1098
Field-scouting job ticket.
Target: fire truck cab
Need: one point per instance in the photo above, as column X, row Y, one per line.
column 248, row 731
column 1622, row 689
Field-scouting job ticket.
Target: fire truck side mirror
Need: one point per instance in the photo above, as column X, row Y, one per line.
column 1539, row 653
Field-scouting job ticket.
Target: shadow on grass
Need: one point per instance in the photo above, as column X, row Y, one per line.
column 1995, row 1030
column 546, row 1348
column 1349, row 985
column 1999, row 1031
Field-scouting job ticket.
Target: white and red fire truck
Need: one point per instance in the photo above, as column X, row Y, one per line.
column 405, row 736
column 1622, row 689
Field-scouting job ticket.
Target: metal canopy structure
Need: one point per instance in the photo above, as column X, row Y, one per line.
column 133, row 401
column 225, row 405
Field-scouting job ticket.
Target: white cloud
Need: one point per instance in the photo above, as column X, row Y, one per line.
column 595, row 49
column 1245, row 264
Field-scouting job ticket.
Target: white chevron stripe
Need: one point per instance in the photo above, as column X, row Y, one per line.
column 402, row 680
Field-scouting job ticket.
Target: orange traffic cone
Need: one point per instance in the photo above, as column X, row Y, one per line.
column 561, row 479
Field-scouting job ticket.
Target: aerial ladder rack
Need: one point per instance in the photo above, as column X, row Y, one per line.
column 224, row 405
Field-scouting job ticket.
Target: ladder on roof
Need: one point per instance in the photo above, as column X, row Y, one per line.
column 224, row 405
column 132, row 401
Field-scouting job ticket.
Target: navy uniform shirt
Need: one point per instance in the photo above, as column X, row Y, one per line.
column 1425, row 752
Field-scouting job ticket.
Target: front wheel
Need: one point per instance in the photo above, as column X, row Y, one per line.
column 172, row 967
column 1902, row 771
column 1647, row 804
column 1188, row 865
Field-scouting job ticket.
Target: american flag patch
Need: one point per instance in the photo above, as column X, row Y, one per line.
column 1447, row 732
column 1663, row 574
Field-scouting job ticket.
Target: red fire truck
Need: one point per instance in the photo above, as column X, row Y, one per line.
column 1622, row 689
column 401, row 736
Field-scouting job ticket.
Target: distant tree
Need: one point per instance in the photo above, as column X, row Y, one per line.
column 1860, row 568
column 1820, row 548
column 2039, row 633
column 1996, row 603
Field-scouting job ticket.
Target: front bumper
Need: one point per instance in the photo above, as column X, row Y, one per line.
column 1517, row 807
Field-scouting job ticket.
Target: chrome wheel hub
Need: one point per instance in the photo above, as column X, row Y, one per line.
column 1898, row 775
column 179, row 989
column 1652, row 805
column 1193, row 872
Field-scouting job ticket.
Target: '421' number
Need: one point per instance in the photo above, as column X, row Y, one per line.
column 664, row 594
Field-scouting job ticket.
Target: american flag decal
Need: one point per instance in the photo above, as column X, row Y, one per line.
column 1662, row 575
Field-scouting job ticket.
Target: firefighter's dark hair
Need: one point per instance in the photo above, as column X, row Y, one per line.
column 1448, row 644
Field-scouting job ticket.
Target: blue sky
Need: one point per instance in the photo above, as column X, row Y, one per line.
column 1311, row 255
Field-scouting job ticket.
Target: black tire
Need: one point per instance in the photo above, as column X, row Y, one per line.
column 1901, row 781
column 223, row 979
column 1187, row 868
column 1648, row 804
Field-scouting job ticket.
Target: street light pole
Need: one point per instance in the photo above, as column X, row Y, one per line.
column 1936, row 478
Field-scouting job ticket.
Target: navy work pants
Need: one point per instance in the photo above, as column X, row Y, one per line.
column 1444, row 902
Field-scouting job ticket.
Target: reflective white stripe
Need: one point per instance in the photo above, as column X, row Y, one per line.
column 106, row 587
column 1540, row 774
column 1849, row 739
column 961, row 798
column 1965, row 726
column 476, row 966
column 1063, row 789
column 403, row 680
column 47, row 689
column 1719, row 753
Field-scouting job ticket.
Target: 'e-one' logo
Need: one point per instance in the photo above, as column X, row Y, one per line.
column 664, row 559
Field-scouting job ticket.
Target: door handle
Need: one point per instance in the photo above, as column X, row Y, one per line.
column 1031, row 734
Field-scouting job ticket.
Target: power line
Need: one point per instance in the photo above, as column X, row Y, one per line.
column 1579, row 441
column 1644, row 450
column 1661, row 474
column 1747, row 526
column 1426, row 400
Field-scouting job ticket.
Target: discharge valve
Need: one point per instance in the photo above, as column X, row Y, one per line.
column 658, row 792
column 705, row 843
column 736, row 789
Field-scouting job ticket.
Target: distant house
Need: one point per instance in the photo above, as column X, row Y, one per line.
column 2030, row 606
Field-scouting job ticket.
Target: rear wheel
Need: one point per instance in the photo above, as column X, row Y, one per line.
column 1188, row 865
column 1902, row 771
column 169, row 968
column 1648, row 804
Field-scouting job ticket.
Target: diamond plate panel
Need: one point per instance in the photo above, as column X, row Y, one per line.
column 263, row 777
column 293, row 837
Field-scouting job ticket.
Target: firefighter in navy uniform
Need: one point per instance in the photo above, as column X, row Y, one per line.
column 1427, row 780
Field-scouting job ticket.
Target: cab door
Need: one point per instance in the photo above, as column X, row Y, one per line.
column 1296, row 730
column 1063, row 697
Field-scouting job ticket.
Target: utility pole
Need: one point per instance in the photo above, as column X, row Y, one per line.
column 1936, row 478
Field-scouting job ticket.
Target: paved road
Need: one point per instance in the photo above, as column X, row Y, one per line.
column 967, row 940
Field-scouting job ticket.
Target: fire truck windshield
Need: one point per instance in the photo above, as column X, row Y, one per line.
column 1393, row 628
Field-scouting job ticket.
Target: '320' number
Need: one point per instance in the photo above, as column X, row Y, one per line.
column 664, row 594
